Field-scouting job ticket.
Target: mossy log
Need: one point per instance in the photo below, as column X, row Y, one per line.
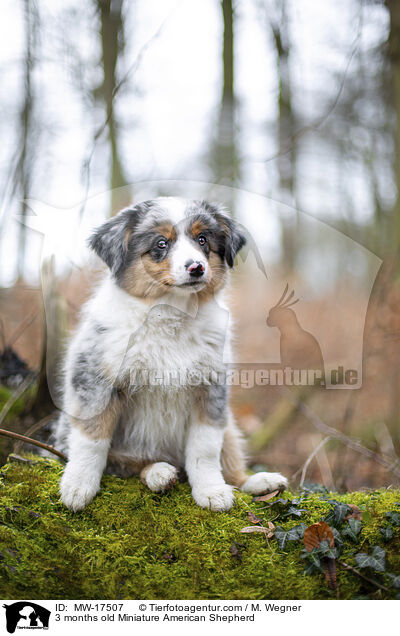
column 130, row 543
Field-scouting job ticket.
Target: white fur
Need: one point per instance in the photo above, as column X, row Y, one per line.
column 143, row 338
column 183, row 251
column 161, row 476
column 81, row 479
column 203, row 467
column 261, row 483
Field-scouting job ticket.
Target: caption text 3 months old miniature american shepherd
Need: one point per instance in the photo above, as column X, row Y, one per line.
column 160, row 311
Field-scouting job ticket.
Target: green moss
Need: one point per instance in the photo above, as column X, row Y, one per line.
column 131, row 543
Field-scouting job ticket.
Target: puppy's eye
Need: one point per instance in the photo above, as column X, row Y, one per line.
column 162, row 244
column 202, row 239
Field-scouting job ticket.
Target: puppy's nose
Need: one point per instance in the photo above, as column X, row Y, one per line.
column 195, row 268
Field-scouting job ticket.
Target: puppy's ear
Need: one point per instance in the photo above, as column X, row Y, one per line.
column 112, row 239
column 234, row 237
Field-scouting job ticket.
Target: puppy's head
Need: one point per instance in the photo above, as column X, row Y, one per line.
column 169, row 244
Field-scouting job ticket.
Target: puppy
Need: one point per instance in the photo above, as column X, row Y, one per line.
column 157, row 321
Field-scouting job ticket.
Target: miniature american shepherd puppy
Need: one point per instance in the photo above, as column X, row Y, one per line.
column 144, row 390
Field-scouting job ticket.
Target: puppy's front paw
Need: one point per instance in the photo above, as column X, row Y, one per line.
column 78, row 489
column 261, row 483
column 219, row 498
column 160, row 476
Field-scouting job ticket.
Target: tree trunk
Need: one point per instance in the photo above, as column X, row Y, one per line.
column 286, row 133
column 24, row 167
column 111, row 44
column 394, row 58
column 223, row 156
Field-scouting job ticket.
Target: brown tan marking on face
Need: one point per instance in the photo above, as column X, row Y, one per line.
column 147, row 279
column 158, row 271
column 197, row 228
column 167, row 230
column 216, row 280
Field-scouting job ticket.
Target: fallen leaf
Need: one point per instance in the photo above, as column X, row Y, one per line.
column 313, row 535
column 169, row 557
column 267, row 497
column 267, row 531
column 356, row 514
column 235, row 550
column 330, row 572
column 253, row 518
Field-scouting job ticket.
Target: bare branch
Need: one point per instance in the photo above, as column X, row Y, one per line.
column 350, row 567
column 310, row 458
column 34, row 442
column 35, row 427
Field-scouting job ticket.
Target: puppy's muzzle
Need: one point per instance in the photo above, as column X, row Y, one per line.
column 195, row 269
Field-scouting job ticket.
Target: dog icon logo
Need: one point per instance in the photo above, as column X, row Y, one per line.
column 26, row 615
column 299, row 349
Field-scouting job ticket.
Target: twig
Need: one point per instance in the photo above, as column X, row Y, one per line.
column 34, row 442
column 334, row 433
column 16, row 395
column 350, row 567
column 35, row 427
column 310, row 458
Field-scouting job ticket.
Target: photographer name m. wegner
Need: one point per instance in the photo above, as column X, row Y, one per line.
column 245, row 378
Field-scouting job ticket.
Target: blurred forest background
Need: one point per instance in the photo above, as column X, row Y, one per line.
column 296, row 101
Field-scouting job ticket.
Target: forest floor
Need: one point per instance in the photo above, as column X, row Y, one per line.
column 130, row 543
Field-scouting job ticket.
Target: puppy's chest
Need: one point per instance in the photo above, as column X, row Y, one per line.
column 173, row 343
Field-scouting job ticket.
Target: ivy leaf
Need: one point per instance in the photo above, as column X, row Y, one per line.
column 283, row 502
column 375, row 560
column 386, row 532
column 313, row 561
column 325, row 550
column 394, row 517
column 352, row 530
column 293, row 510
column 323, row 559
column 338, row 541
column 340, row 512
column 294, row 534
column 394, row 579
column 311, row 487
